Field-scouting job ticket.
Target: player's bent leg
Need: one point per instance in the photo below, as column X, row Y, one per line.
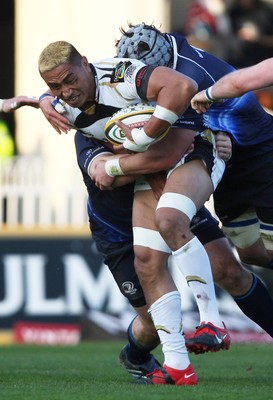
column 161, row 294
column 165, row 311
column 135, row 357
column 152, row 269
column 174, row 213
column 247, row 290
column 208, row 337
column 252, row 238
column 151, row 252
column 227, row 272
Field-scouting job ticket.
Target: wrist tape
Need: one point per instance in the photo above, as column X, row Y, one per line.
column 140, row 137
column 112, row 168
column 45, row 95
column 209, row 96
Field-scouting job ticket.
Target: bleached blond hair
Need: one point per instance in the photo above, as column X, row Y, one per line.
column 58, row 53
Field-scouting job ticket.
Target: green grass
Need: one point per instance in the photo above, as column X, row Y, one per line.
column 91, row 371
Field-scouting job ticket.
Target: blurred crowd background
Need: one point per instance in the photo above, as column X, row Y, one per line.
column 239, row 31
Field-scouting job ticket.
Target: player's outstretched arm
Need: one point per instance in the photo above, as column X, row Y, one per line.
column 12, row 104
column 235, row 84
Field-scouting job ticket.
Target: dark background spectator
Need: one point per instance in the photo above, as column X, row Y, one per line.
column 252, row 31
column 207, row 25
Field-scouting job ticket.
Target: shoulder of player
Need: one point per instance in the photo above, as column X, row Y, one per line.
column 117, row 70
column 114, row 62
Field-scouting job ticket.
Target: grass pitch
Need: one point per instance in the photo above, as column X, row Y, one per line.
column 91, row 371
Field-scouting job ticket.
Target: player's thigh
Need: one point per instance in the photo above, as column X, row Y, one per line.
column 144, row 208
column 256, row 254
column 149, row 247
column 192, row 180
column 251, row 236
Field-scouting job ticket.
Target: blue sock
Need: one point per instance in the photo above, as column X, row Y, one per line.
column 257, row 304
column 135, row 351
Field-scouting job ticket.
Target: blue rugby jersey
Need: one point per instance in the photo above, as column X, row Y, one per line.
column 243, row 117
column 109, row 211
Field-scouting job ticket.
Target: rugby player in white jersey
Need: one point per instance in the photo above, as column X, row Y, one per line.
column 99, row 88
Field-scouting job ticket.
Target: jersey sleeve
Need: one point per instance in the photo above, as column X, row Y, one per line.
column 132, row 77
column 87, row 150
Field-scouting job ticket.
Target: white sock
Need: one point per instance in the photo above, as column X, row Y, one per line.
column 167, row 317
column 193, row 261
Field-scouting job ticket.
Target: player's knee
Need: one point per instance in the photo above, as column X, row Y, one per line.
column 142, row 257
column 143, row 265
column 166, row 224
column 173, row 215
column 149, row 263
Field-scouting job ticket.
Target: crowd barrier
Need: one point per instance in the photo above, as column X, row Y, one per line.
column 28, row 198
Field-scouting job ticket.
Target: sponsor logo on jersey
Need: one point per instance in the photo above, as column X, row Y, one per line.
column 120, row 71
column 129, row 73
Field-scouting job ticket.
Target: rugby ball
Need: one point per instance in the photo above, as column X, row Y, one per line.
column 134, row 116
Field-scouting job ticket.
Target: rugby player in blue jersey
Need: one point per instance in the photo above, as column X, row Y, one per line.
column 243, row 198
column 249, row 219
column 244, row 213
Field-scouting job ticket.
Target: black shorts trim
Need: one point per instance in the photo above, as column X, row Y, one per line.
column 206, row 227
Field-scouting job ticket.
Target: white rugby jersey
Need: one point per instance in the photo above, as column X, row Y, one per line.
column 120, row 82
